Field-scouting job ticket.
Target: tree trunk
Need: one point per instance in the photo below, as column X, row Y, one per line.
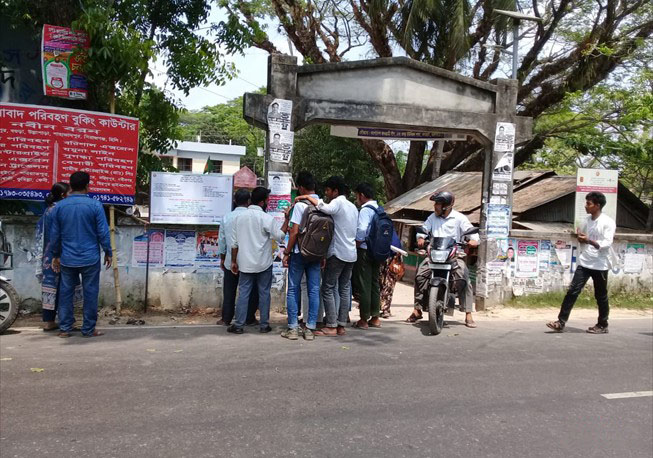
column 414, row 164
column 649, row 223
column 384, row 158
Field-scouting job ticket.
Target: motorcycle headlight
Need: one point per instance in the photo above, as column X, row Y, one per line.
column 439, row 255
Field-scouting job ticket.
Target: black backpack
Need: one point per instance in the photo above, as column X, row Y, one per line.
column 315, row 233
column 379, row 238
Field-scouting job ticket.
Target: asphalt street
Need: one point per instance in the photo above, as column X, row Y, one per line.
column 505, row 389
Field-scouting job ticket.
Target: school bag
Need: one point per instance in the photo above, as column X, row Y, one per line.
column 315, row 233
column 379, row 238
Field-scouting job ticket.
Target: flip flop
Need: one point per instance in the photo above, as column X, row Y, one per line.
column 359, row 326
column 470, row 324
column 369, row 323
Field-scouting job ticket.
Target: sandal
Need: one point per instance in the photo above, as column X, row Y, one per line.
column 557, row 326
column 372, row 325
column 470, row 324
column 63, row 335
column 95, row 333
column 360, row 325
column 414, row 318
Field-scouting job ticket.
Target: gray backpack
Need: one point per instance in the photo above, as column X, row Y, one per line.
column 315, row 233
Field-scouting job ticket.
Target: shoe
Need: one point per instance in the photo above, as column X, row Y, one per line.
column 308, row 334
column 235, row 329
column 221, row 322
column 252, row 323
column 265, row 330
column 290, row 334
column 598, row 329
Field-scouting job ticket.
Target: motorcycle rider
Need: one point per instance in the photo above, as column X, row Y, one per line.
column 445, row 222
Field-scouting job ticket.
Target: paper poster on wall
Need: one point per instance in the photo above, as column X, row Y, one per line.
column 601, row 180
column 545, row 255
column 498, row 220
column 279, row 115
column 634, row 258
column 183, row 198
column 206, row 250
column 527, row 258
column 280, row 192
column 503, row 168
column 281, row 144
column 180, row 248
column 139, row 249
column 563, row 251
column 504, row 137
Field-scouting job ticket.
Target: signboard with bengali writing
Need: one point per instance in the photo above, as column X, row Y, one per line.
column 63, row 53
column 601, row 180
column 42, row 145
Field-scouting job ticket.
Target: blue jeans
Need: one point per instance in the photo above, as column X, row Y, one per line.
column 258, row 283
column 90, row 285
column 296, row 271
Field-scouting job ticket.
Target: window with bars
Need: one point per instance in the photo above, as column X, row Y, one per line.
column 184, row 164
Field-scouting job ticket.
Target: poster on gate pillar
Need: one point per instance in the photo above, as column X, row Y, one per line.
column 281, row 137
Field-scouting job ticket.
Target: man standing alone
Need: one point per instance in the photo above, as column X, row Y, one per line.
column 595, row 237
column 230, row 286
column 79, row 228
column 366, row 269
column 251, row 258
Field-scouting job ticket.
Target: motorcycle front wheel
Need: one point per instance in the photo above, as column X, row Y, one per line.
column 436, row 311
column 8, row 305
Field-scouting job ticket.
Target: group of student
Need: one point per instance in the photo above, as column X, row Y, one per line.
column 331, row 243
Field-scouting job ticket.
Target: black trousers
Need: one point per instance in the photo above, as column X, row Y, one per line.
column 600, row 280
column 230, row 286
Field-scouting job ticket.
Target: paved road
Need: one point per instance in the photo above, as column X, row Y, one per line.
column 505, row 389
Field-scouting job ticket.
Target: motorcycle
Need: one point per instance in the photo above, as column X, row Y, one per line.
column 9, row 301
column 442, row 253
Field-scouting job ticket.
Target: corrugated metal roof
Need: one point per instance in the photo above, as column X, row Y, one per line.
column 542, row 192
column 466, row 186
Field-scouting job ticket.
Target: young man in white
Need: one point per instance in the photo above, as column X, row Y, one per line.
column 595, row 237
column 341, row 256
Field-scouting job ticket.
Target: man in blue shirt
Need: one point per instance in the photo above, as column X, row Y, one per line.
column 79, row 228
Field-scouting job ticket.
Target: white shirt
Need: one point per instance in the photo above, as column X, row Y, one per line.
column 345, row 219
column 365, row 217
column 454, row 225
column 297, row 215
column 224, row 237
column 601, row 230
column 252, row 233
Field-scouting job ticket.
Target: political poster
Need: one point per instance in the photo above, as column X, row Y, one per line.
column 42, row 145
column 63, row 54
column 281, row 144
column 184, row 198
column 601, row 180
column 527, row 258
column 498, row 220
column 545, row 255
column 139, row 249
column 279, row 115
column 180, row 248
column 634, row 258
column 206, row 250
column 504, row 137
column 281, row 136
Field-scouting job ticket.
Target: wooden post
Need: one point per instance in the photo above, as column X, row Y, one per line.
column 114, row 258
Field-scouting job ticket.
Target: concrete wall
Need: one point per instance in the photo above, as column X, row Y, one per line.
column 169, row 289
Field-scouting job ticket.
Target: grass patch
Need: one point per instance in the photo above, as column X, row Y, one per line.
column 620, row 300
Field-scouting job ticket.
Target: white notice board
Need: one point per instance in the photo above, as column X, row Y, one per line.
column 182, row 198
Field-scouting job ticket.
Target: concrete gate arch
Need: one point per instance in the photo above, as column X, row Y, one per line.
column 394, row 93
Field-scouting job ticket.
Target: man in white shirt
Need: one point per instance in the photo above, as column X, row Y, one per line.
column 251, row 257
column 445, row 222
column 230, row 284
column 366, row 269
column 298, row 266
column 341, row 256
column 595, row 237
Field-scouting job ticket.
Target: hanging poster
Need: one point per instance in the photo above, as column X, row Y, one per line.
column 184, row 198
column 139, row 249
column 504, row 137
column 604, row 181
column 498, row 220
column 634, row 258
column 563, row 251
column 63, row 54
column 41, row 145
column 281, row 143
column 527, row 258
column 545, row 255
column 503, row 169
column 279, row 115
column 206, row 250
column 180, row 248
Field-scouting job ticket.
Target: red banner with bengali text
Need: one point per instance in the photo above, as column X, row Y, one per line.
column 42, row 145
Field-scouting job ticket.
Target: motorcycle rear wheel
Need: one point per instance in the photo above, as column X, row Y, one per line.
column 9, row 305
column 436, row 311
